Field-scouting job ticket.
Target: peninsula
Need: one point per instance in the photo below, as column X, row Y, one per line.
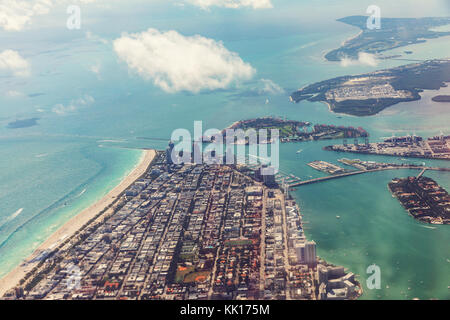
column 370, row 93
column 191, row 232
column 393, row 33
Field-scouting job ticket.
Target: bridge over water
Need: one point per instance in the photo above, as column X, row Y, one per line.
column 353, row 173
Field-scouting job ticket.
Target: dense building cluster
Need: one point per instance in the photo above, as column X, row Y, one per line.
column 187, row 231
column 407, row 146
column 366, row 88
column 424, row 199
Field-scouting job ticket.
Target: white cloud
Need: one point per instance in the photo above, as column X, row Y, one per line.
column 15, row 14
column 255, row 4
column 11, row 62
column 364, row 58
column 270, row 87
column 175, row 62
column 13, row 93
column 95, row 38
column 96, row 68
column 74, row 105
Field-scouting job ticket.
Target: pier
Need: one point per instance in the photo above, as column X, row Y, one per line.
column 421, row 173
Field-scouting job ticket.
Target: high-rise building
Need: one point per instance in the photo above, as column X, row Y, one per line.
column 197, row 156
column 300, row 252
column 323, row 274
column 310, row 253
column 306, row 253
column 169, row 151
column 268, row 176
column 229, row 157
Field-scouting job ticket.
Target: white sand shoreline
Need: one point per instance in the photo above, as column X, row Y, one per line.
column 75, row 223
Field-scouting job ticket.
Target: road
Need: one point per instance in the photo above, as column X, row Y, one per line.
column 262, row 261
column 280, row 196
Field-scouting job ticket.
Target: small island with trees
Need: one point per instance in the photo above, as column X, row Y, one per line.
column 25, row 123
column 292, row 130
column 441, row 98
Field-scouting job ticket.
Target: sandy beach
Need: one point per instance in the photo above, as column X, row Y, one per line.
column 343, row 43
column 75, row 223
column 351, row 38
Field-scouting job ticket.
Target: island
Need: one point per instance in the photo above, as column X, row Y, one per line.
column 22, row 123
column 293, row 131
column 370, row 93
column 437, row 147
column 441, row 98
column 394, row 33
column 286, row 128
column 423, row 198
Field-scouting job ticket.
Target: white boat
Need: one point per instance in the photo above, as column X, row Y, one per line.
column 300, row 151
column 338, row 217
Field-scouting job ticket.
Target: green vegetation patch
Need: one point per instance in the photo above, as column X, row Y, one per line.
column 182, row 272
column 238, row 243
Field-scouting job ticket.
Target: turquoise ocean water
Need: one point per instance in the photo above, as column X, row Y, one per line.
column 50, row 172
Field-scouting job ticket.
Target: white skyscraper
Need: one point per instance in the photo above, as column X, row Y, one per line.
column 306, row 253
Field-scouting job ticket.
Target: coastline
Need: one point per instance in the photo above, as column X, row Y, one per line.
column 352, row 38
column 330, row 109
column 69, row 228
column 343, row 43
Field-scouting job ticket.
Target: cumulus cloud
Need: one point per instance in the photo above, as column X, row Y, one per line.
column 175, row 62
column 16, row 14
column 74, row 105
column 270, row 87
column 364, row 58
column 255, row 4
column 11, row 62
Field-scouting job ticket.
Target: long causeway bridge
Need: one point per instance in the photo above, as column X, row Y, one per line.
column 353, row 173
